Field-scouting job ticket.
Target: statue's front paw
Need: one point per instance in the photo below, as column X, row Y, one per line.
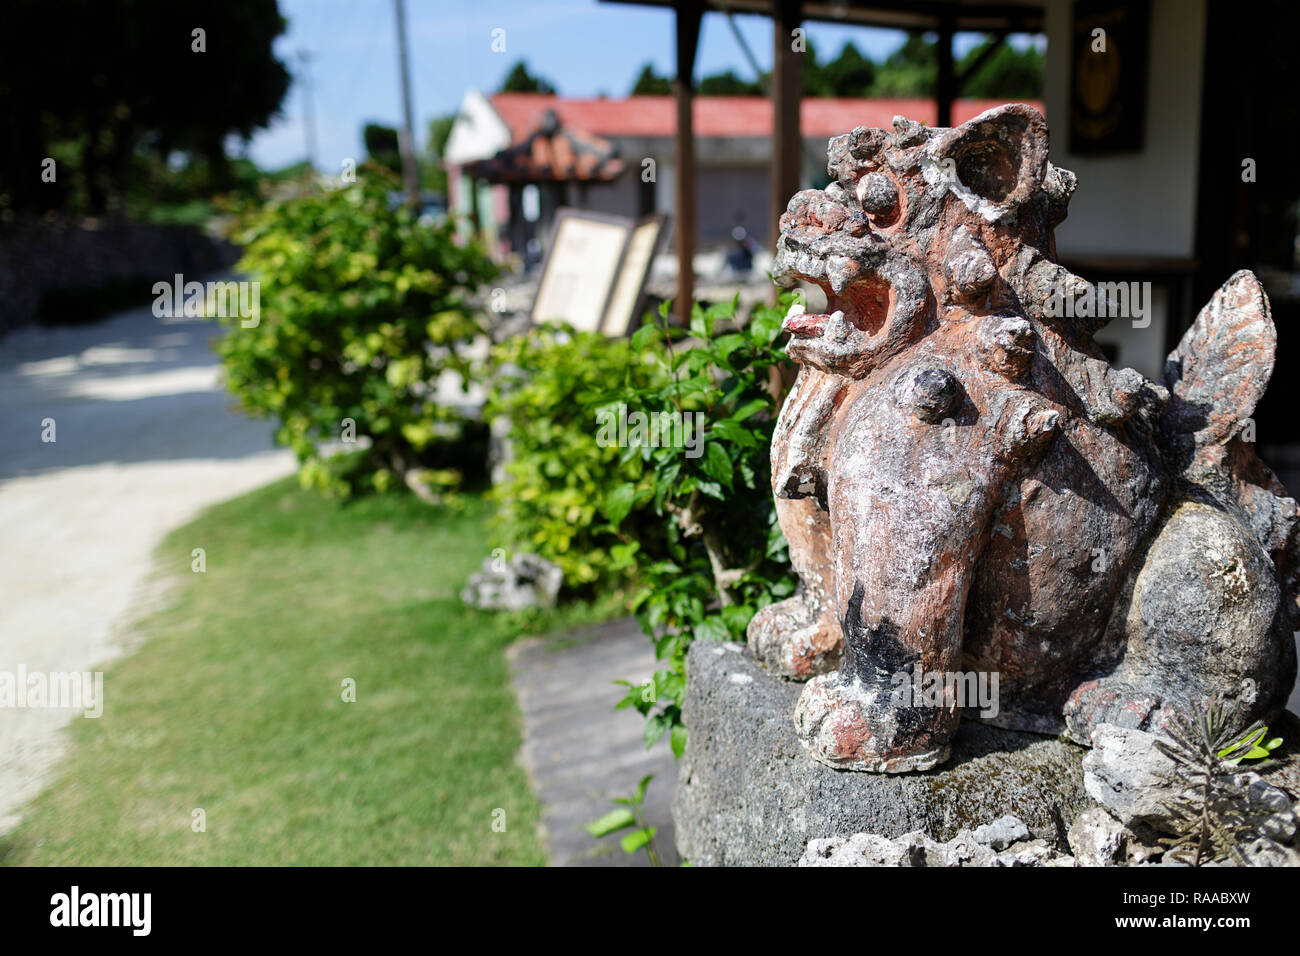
column 790, row 641
column 831, row 723
column 846, row 725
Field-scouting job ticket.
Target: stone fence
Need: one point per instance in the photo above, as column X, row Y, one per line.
column 39, row 256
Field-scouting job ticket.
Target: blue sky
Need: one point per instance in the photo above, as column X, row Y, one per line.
column 584, row 47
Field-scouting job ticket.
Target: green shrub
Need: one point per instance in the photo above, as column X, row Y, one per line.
column 723, row 555
column 697, row 532
column 363, row 308
column 547, row 384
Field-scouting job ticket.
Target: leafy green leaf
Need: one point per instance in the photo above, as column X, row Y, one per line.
column 749, row 408
column 655, row 726
column 734, row 432
column 711, row 488
column 619, row 503
column 765, row 327
column 737, row 618
column 678, row 740
column 637, row 839
column 611, row 822
column 645, row 336
column 701, row 322
column 712, row 629
column 716, row 464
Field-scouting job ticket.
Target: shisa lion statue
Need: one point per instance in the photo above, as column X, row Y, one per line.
column 968, row 487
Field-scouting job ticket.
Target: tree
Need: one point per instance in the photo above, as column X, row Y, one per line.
column 519, row 80
column 911, row 70
column 850, row 74
column 1009, row 73
column 233, row 88
column 382, row 146
column 132, row 78
column 727, row 84
column 815, row 82
column 650, row 83
column 439, row 132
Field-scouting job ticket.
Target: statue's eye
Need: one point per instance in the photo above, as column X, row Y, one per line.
column 878, row 195
column 934, row 394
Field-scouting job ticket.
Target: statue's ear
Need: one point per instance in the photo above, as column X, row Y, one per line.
column 1000, row 155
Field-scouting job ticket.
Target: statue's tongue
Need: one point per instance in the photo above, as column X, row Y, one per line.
column 806, row 325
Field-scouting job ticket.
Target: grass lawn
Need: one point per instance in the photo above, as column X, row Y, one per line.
column 234, row 703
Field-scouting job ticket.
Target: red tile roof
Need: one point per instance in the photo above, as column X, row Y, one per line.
column 733, row 116
column 552, row 152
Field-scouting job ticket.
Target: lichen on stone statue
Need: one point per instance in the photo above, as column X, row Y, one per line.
column 969, row 487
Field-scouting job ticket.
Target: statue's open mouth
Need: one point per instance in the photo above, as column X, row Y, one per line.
column 865, row 304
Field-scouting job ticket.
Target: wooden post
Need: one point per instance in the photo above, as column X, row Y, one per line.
column 475, row 217
column 689, row 13
column 518, row 226
column 946, row 87
column 787, row 96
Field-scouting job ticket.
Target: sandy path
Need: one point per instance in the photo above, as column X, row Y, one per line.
column 145, row 439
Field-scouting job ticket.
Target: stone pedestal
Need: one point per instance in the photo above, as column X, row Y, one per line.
column 748, row 794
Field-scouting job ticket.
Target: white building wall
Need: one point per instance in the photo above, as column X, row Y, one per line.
column 1140, row 204
column 1137, row 203
column 478, row 132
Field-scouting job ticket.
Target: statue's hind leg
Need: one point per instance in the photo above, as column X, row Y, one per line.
column 1205, row 622
column 800, row 636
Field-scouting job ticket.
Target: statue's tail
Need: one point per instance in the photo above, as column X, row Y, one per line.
column 1219, row 372
column 1215, row 377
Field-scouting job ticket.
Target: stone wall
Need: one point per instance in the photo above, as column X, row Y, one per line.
column 748, row 794
column 71, row 255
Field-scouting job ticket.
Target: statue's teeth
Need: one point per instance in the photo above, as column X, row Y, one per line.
column 811, row 266
column 841, row 270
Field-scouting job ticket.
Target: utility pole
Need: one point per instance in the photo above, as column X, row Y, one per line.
column 406, row 139
column 308, row 115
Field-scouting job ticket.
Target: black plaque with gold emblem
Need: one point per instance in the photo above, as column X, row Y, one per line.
column 1108, row 75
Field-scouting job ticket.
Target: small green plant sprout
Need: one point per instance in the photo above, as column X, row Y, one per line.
column 629, row 815
column 1212, row 813
column 1251, row 746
